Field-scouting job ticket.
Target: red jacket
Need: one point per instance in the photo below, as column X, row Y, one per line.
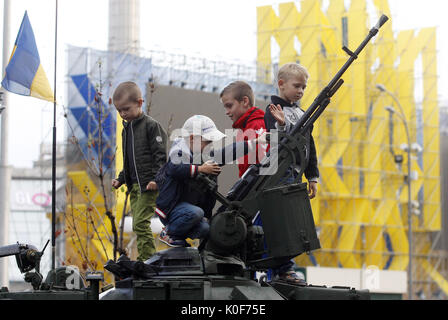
column 253, row 119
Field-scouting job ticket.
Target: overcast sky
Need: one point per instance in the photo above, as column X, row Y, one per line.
column 215, row 29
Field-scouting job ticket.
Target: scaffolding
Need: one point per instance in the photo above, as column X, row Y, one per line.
column 361, row 211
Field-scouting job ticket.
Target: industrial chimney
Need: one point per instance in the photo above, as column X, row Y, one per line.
column 124, row 26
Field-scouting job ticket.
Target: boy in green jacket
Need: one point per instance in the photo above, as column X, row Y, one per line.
column 144, row 153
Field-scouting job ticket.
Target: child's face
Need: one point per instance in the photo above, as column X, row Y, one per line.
column 198, row 139
column 234, row 108
column 129, row 110
column 292, row 90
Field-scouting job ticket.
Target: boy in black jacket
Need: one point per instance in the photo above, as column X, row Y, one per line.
column 282, row 114
column 144, row 153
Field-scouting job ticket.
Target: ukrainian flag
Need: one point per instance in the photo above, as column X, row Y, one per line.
column 24, row 73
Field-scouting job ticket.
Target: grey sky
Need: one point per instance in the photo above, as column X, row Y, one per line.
column 215, row 29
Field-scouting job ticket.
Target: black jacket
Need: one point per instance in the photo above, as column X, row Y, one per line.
column 311, row 170
column 174, row 178
column 149, row 145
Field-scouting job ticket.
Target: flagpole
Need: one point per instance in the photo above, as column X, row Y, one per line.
column 5, row 169
column 53, row 175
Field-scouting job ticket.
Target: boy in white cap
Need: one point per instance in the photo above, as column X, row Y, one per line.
column 181, row 208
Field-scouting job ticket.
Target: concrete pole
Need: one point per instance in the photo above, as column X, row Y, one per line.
column 124, row 26
column 5, row 169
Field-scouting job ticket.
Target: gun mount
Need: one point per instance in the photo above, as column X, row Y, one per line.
column 63, row 283
column 27, row 258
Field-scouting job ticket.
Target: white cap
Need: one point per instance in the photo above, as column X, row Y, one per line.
column 199, row 125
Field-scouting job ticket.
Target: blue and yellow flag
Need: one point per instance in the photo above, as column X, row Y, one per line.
column 24, row 73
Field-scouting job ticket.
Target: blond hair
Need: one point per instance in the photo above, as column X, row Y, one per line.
column 239, row 90
column 290, row 70
column 127, row 90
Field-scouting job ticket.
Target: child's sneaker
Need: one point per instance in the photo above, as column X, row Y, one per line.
column 165, row 238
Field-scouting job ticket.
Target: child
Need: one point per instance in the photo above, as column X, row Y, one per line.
column 238, row 101
column 282, row 114
column 183, row 209
column 144, row 153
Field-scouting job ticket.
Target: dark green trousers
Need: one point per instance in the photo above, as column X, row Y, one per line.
column 142, row 206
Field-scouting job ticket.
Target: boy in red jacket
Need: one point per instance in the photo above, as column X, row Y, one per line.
column 238, row 100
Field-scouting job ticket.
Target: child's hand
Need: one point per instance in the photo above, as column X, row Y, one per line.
column 151, row 186
column 210, row 167
column 312, row 189
column 263, row 139
column 277, row 113
column 116, row 184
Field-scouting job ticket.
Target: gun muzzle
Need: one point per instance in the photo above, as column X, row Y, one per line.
column 381, row 21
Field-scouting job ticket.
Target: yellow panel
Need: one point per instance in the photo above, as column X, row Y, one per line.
column 431, row 155
column 310, row 39
column 120, row 194
column 289, row 19
column 333, row 183
column 351, row 219
column 335, row 11
column 267, row 23
column 432, row 272
column 83, row 240
column 399, row 240
column 86, row 187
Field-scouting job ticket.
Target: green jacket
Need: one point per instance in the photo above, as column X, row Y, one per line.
column 149, row 146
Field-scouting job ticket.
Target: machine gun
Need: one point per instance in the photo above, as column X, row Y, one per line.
column 59, row 284
column 27, row 258
column 288, row 225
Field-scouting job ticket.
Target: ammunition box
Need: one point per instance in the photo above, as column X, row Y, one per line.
column 288, row 222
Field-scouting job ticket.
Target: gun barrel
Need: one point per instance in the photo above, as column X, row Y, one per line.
column 10, row 250
column 308, row 119
column 381, row 21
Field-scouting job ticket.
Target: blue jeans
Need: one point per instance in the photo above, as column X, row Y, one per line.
column 288, row 266
column 187, row 221
column 289, row 177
